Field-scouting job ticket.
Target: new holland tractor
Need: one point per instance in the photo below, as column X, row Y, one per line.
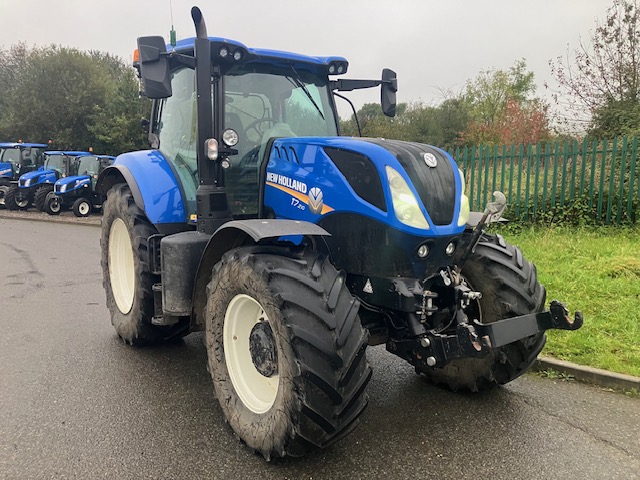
column 78, row 191
column 16, row 159
column 34, row 186
column 293, row 248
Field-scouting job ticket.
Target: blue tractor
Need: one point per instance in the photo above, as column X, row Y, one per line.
column 34, row 186
column 293, row 248
column 16, row 159
column 78, row 191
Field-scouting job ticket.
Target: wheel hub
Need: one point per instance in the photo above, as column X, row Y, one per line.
column 262, row 347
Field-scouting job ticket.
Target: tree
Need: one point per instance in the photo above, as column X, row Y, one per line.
column 436, row 125
column 502, row 108
column 78, row 99
column 599, row 89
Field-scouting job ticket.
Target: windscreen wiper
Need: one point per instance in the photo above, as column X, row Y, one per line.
column 297, row 82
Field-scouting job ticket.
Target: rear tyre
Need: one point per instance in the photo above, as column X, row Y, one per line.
column 41, row 196
column 509, row 286
column 127, row 277
column 286, row 350
column 13, row 201
column 82, row 207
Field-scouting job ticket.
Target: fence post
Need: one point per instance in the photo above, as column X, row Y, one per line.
column 603, row 162
column 612, row 175
column 623, row 173
column 632, row 175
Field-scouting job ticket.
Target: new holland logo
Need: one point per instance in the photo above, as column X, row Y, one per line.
column 430, row 159
column 315, row 200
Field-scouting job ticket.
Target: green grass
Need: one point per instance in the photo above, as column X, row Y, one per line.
column 596, row 271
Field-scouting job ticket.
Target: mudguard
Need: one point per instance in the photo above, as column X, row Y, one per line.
column 235, row 234
column 154, row 185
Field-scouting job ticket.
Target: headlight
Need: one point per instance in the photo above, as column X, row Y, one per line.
column 63, row 187
column 27, row 182
column 405, row 204
column 230, row 137
column 463, row 218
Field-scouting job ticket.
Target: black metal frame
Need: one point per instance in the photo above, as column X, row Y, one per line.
column 477, row 339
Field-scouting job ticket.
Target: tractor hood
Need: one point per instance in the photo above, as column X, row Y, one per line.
column 39, row 176
column 68, row 184
column 413, row 187
column 6, row 169
column 432, row 173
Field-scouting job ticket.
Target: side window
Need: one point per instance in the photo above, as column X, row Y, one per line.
column 176, row 128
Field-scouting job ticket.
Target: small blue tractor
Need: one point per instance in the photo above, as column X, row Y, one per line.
column 78, row 191
column 34, row 186
column 16, row 159
column 293, row 248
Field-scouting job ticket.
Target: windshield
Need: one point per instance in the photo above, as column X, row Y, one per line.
column 57, row 163
column 10, row 155
column 89, row 165
column 262, row 102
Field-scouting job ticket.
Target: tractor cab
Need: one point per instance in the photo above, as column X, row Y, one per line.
column 19, row 158
column 249, row 97
column 16, row 159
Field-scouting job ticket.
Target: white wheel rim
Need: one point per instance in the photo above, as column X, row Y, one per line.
column 121, row 268
column 22, row 203
column 257, row 392
column 54, row 205
column 83, row 208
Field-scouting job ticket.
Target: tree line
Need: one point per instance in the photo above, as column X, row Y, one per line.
column 71, row 98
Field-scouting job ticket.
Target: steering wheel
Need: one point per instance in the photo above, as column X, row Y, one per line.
column 255, row 126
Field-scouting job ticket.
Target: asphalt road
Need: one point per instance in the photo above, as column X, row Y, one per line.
column 77, row 403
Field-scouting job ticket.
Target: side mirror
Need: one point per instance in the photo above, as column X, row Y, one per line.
column 388, row 92
column 154, row 67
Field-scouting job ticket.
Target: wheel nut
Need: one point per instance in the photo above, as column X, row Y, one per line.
column 431, row 361
column 425, row 342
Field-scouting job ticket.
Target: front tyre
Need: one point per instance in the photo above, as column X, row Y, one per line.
column 127, row 277
column 82, row 207
column 286, row 350
column 52, row 204
column 510, row 288
column 14, row 201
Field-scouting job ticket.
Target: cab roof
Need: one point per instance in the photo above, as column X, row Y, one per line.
column 187, row 45
column 20, row 144
column 71, row 153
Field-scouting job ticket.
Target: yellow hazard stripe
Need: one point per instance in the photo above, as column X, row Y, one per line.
column 300, row 196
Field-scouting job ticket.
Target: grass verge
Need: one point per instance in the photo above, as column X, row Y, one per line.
column 596, row 270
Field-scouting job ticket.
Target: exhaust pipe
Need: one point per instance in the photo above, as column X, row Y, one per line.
column 198, row 22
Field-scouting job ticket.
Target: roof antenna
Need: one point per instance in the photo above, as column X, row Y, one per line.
column 172, row 33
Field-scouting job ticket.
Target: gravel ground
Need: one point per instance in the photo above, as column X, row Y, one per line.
column 64, row 217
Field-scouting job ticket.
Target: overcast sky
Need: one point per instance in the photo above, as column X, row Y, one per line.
column 431, row 44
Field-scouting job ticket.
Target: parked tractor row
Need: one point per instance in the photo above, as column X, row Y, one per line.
column 50, row 180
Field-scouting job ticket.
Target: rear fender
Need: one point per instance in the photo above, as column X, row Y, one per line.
column 235, row 234
column 153, row 184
